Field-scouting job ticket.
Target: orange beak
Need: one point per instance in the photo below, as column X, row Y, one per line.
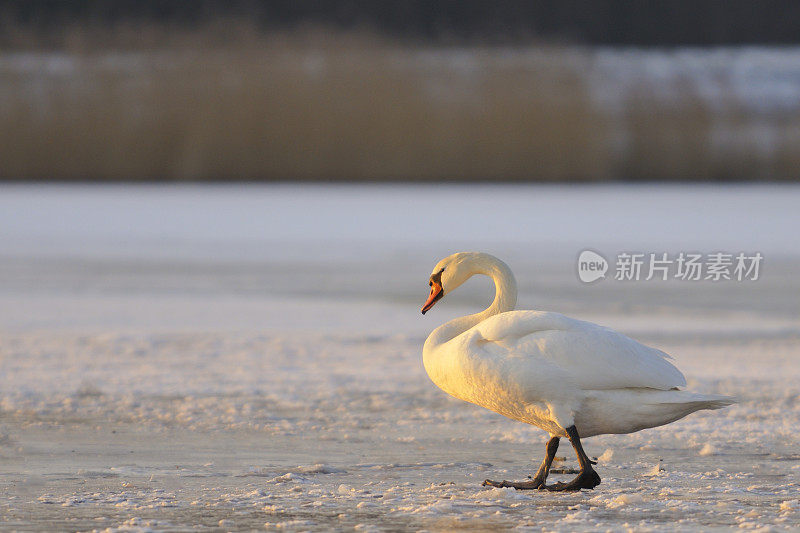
column 436, row 293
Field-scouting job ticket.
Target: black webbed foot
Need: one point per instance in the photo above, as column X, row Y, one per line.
column 535, row 482
column 587, row 479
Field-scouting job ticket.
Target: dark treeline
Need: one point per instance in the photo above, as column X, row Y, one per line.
column 612, row 22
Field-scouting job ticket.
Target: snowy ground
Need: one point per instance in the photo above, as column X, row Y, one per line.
column 239, row 357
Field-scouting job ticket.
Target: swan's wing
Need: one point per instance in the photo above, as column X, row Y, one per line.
column 595, row 357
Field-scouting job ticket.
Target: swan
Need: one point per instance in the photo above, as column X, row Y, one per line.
column 568, row 377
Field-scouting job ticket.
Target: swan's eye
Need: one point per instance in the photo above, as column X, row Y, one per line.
column 430, row 284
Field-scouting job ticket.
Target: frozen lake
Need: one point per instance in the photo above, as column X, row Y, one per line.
column 235, row 357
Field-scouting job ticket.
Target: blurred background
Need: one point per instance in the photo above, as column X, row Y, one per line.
column 359, row 90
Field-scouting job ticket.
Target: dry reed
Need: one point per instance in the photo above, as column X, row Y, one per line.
column 348, row 109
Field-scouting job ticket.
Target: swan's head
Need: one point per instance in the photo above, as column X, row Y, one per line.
column 450, row 273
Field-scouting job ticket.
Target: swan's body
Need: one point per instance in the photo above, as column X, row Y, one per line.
column 553, row 371
column 549, row 370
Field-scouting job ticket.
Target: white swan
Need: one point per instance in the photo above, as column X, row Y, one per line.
column 563, row 375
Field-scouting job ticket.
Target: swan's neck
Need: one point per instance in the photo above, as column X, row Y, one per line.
column 505, row 299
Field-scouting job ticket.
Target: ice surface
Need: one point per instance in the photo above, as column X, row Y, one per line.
column 157, row 374
column 318, row 224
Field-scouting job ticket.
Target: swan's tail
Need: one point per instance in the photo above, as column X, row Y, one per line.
column 710, row 401
column 689, row 402
column 718, row 401
column 629, row 410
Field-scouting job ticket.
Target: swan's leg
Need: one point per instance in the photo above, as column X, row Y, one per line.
column 538, row 480
column 587, row 478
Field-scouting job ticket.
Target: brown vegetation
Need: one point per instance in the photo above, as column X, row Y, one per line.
column 345, row 109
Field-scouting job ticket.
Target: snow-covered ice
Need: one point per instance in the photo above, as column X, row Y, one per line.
column 236, row 358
